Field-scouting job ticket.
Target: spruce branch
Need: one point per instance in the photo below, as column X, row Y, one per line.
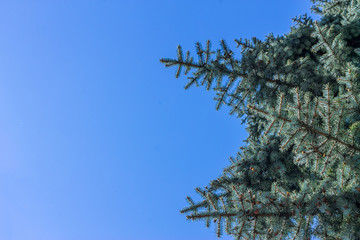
column 298, row 175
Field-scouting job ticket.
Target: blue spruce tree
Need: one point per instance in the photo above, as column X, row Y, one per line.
column 298, row 175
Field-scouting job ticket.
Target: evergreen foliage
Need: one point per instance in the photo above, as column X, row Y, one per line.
column 298, row 175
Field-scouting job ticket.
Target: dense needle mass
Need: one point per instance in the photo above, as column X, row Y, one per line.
column 298, row 175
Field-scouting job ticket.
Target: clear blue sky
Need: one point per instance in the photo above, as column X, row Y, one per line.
column 98, row 141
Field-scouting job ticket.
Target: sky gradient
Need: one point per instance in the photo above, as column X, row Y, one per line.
column 98, row 141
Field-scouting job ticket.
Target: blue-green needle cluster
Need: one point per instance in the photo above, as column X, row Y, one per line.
column 299, row 94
